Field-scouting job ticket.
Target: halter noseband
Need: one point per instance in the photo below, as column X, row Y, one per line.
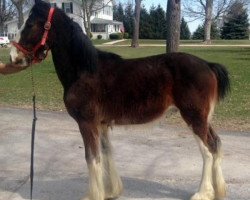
column 32, row 54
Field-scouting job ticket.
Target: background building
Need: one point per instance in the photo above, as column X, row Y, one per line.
column 102, row 22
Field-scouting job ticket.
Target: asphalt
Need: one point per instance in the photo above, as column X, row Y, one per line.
column 159, row 162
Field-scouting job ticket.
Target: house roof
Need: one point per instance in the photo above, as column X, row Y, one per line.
column 105, row 21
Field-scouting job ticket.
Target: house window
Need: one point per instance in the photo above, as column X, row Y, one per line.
column 107, row 10
column 98, row 28
column 67, row 7
column 53, row 5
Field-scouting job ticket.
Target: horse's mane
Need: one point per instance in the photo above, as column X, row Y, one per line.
column 84, row 56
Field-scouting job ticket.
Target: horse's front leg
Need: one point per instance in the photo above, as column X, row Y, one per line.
column 112, row 181
column 93, row 155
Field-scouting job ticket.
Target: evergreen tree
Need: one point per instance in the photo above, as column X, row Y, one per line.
column 158, row 21
column 145, row 25
column 185, row 32
column 118, row 12
column 215, row 31
column 236, row 24
column 199, row 33
column 128, row 19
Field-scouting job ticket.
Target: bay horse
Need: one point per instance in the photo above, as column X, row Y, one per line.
column 102, row 89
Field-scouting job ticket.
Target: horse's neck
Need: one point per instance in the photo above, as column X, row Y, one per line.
column 64, row 69
column 73, row 54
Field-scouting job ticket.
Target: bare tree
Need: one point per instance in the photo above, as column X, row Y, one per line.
column 135, row 39
column 208, row 20
column 89, row 7
column 173, row 25
column 19, row 7
column 207, row 10
column 6, row 13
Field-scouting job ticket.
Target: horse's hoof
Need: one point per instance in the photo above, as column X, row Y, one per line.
column 111, row 197
column 202, row 196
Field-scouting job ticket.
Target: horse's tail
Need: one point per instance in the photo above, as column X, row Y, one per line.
column 223, row 80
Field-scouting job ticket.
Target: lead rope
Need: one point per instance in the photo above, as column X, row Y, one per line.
column 33, row 131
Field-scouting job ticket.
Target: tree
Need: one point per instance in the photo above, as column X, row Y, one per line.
column 208, row 11
column 185, row 33
column 19, row 4
column 208, row 20
column 128, row 19
column 145, row 25
column 89, row 7
column 236, row 24
column 199, row 33
column 157, row 18
column 6, row 13
column 135, row 39
column 118, row 12
column 173, row 25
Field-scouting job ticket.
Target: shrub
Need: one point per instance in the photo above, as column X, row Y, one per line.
column 126, row 35
column 115, row 36
column 99, row 37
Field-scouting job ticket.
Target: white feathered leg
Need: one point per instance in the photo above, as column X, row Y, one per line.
column 206, row 190
column 112, row 181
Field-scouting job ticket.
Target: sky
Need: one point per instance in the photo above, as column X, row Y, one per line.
column 148, row 3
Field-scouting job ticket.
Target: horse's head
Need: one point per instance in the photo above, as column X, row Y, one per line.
column 33, row 40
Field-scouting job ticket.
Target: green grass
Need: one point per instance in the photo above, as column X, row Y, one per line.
column 16, row 90
column 98, row 42
column 222, row 42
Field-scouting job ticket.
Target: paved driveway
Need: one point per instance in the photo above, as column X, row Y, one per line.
column 162, row 162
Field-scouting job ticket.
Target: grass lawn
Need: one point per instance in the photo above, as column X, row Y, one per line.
column 16, row 90
column 98, row 42
column 162, row 42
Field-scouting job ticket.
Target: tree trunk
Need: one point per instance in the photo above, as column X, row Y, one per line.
column 1, row 27
column 88, row 28
column 135, row 39
column 19, row 6
column 2, row 10
column 20, row 15
column 208, row 21
column 173, row 25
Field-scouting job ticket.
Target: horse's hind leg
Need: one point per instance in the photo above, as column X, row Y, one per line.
column 93, row 155
column 218, row 179
column 112, row 181
column 212, row 183
column 206, row 190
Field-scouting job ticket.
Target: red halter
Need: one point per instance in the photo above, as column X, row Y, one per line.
column 32, row 54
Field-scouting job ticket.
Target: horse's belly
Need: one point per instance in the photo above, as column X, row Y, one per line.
column 121, row 113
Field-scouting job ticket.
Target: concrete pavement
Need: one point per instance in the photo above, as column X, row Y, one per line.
column 162, row 162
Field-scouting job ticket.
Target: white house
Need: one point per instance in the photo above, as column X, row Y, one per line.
column 102, row 22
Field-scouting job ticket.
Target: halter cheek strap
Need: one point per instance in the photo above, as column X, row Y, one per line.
column 32, row 54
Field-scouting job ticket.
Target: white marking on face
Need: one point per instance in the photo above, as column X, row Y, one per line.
column 14, row 53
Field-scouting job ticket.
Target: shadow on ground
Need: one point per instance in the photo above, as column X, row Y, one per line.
column 74, row 189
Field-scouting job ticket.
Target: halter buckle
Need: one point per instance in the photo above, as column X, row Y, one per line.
column 47, row 26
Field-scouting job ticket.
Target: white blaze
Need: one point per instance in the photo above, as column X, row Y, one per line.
column 14, row 53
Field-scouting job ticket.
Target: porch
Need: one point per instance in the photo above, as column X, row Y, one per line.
column 105, row 27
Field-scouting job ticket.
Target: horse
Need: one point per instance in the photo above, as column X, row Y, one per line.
column 102, row 90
